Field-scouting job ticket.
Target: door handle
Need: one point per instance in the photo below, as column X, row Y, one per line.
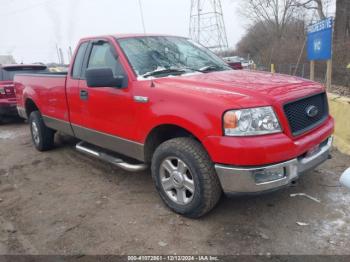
column 84, row 95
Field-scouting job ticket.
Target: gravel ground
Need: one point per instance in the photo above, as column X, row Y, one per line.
column 62, row 202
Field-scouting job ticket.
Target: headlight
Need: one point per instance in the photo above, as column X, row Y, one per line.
column 250, row 122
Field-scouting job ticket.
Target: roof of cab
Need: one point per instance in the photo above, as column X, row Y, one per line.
column 120, row 36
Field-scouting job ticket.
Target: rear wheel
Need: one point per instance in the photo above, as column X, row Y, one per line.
column 185, row 177
column 42, row 136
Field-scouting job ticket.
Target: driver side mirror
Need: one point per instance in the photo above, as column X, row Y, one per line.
column 103, row 77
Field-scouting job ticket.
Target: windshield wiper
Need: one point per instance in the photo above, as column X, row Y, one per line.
column 165, row 71
column 210, row 68
column 182, row 70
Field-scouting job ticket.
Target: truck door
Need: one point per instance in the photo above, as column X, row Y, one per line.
column 109, row 118
column 75, row 104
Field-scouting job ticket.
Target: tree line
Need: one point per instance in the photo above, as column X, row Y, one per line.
column 278, row 29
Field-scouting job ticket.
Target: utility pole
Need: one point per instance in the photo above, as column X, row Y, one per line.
column 70, row 53
column 61, row 56
column 58, row 54
column 207, row 25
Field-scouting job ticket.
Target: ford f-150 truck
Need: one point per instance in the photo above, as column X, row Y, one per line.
column 165, row 102
column 7, row 92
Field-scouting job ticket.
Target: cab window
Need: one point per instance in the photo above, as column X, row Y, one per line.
column 78, row 62
column 103, row 55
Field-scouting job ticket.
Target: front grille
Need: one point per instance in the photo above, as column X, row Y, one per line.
column 297, row 113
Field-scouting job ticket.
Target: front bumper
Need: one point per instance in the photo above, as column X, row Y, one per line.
column 235, row 180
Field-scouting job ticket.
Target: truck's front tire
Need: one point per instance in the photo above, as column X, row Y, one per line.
column 42, row 136
column 185, row 177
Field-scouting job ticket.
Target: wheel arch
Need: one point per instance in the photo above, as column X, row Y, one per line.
column 30, row 106
column 162, row 133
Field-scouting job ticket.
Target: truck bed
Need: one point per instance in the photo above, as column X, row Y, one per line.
column 48, row 91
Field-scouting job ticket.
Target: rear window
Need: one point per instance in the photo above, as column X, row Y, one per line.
column 9, row 73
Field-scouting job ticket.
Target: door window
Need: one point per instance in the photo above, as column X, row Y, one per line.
column 78, row 62
column 103, row 55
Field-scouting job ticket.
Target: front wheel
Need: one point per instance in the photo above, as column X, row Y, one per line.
column 42, row 136
column 185, row 177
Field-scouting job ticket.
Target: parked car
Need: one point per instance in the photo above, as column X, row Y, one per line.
column 247, row 63
column 167, row 103
column 7, row 92
column 234, row 62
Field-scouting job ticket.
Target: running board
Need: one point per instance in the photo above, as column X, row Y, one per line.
column 83, row 148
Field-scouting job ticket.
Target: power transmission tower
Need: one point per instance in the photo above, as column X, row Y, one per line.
column 207, row 24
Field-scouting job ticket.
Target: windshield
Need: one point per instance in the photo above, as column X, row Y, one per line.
column 167, row 55
column 9, row 73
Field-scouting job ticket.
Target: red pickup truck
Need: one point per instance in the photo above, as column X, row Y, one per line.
column 170, row 104
column 7, row 92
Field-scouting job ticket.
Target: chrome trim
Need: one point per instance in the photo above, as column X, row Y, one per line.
column 242, row 180
column 117, row 144
column 141, row 99
column 110, row 159
column 58, row 124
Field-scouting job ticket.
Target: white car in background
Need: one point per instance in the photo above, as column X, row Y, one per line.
column 237, row 59
column 345, row 178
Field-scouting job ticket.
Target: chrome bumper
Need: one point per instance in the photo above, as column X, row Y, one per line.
column 236, row 180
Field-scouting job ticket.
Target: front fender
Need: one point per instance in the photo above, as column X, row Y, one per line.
column 197, row 122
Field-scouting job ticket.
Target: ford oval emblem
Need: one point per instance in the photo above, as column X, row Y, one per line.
column 312, row 111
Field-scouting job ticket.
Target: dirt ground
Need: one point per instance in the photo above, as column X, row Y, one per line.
column 340, row 90
column 62, row 202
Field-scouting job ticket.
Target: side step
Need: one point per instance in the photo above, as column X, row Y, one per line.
column 84, row 148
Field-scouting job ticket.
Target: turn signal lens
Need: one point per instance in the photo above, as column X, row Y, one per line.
column 230, row 120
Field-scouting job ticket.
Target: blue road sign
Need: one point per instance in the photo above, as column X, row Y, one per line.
column 319, row 40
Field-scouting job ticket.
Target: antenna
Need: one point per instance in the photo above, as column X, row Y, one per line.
column 142, row 18
column 207, row 25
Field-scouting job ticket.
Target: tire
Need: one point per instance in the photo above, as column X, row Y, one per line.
column 42, row 136
column 193, row 188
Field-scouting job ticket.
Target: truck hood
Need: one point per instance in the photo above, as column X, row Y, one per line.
column 250, row 85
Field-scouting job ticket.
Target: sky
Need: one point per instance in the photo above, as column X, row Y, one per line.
column 31, row 29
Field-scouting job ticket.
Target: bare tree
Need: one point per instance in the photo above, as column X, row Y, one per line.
column 271, row 13
column 264, row 49
column 317, row 5
column 342, row 21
